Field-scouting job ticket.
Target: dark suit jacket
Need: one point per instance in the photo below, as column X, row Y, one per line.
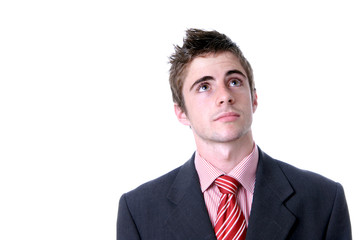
column 288, row 203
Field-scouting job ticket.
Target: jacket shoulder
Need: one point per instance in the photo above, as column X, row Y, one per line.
column 311, row 191
column 315, row 199
column 155, row 186
column 297, row 176
column 307, row 179
column 149, row 205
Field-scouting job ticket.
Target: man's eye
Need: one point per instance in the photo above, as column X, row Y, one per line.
column 235, row 83
column 203, row 87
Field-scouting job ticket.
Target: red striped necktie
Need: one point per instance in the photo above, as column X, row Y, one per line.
column 230, row 223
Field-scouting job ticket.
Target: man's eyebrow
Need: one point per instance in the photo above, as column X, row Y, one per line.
column 202, row 79
column 235, row 71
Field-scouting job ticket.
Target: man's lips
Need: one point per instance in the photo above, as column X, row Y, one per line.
column 227, row 117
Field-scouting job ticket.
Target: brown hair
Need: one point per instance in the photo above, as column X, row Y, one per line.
column 198, row 43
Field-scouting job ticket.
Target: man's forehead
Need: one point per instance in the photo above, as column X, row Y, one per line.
column 209, row 61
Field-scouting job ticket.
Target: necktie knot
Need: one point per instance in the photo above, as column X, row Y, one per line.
column 227, row 184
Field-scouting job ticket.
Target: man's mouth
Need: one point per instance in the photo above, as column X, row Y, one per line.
column 227, row 117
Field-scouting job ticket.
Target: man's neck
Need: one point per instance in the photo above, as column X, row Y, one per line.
column 225, row 156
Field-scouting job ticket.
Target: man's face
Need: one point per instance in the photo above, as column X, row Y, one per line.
column 217, row 95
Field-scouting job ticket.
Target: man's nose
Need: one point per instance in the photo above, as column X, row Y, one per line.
column 225, row 96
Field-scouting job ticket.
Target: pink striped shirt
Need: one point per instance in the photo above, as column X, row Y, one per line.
column 244, row 172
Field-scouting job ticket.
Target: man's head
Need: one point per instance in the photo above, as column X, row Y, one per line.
column 200, row 43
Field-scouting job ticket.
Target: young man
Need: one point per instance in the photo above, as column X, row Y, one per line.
column 229, row 189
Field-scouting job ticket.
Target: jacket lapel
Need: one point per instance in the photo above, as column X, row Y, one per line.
column 189, row 218
column 269, row 218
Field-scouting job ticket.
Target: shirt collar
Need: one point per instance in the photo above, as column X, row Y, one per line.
column 244, row 172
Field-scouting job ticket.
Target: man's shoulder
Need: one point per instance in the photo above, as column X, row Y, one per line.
column 160, row 185
column 303, row 179
column 157, row 184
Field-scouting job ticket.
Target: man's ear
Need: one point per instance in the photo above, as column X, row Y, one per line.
column 255, row 101
column 181, row 115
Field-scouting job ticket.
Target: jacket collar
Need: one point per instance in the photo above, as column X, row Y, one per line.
column 189, row 219
column 270, row 218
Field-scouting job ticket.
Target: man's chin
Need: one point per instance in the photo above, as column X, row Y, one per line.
column 228, row 138
column 233, row 136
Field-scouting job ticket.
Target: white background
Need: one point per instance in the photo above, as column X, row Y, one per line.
column 86, row 112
